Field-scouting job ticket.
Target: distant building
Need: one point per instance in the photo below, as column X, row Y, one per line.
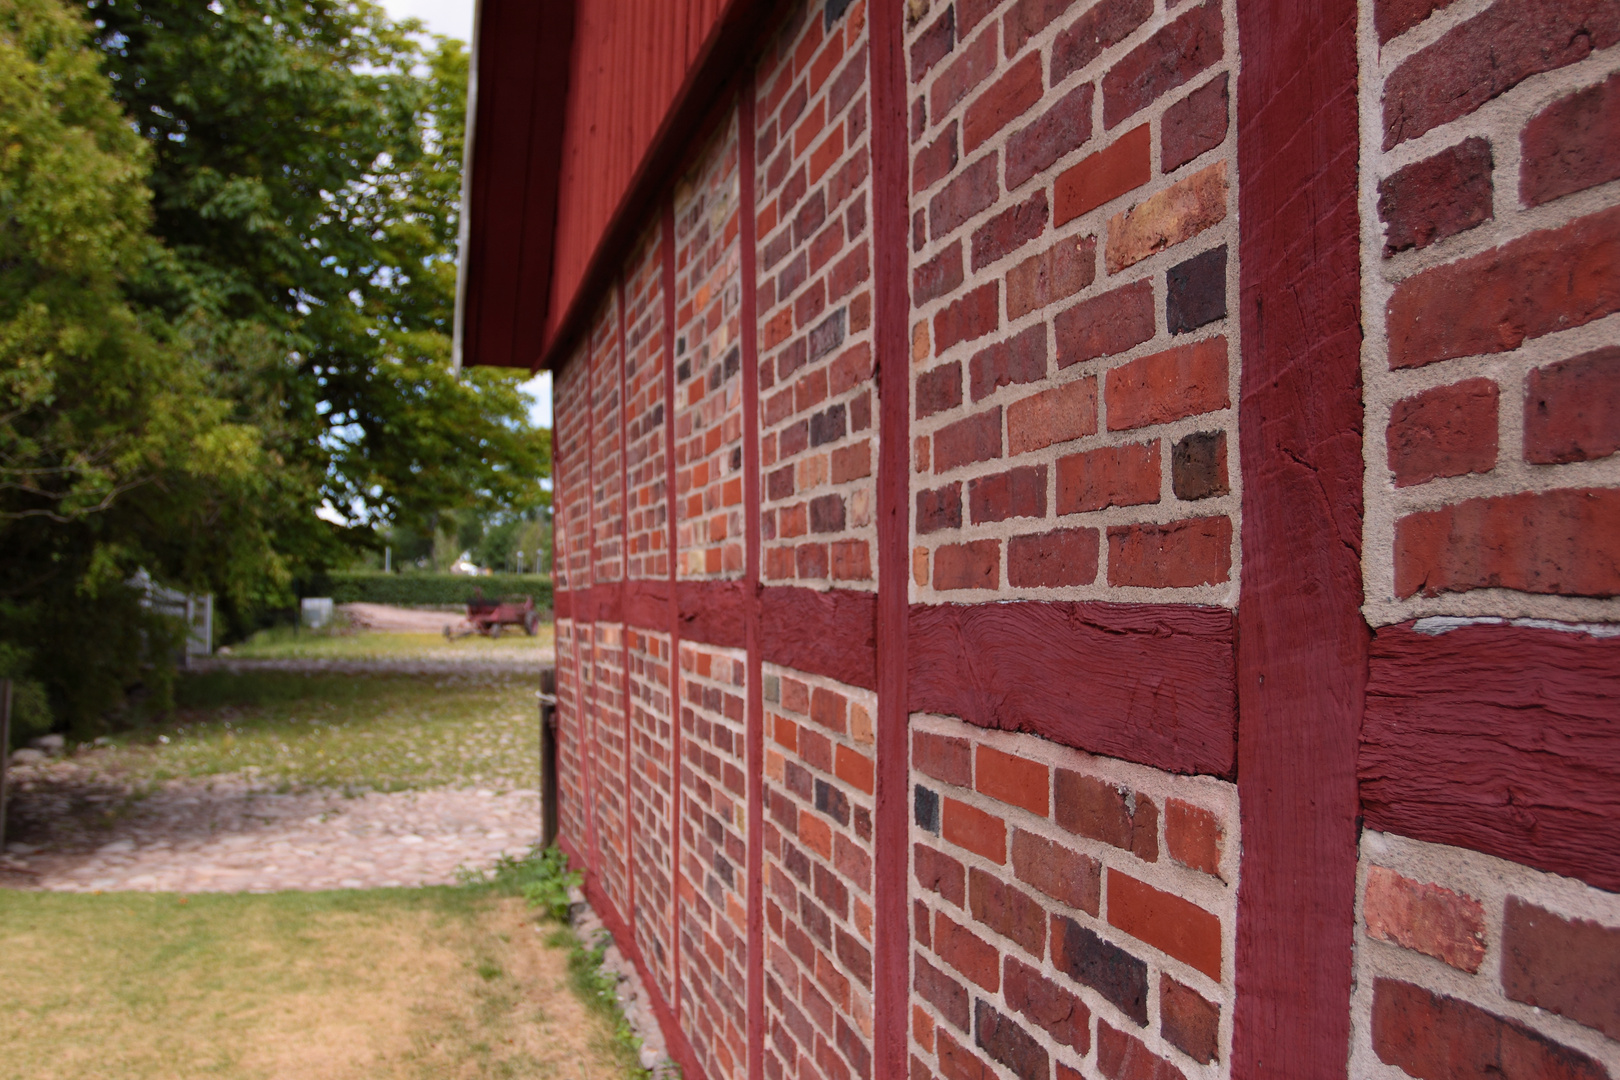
column 1088, row 533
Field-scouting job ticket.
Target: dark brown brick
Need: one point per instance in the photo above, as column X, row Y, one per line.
column 1118, row 816
column 1111, row 971
column 1100, row 27
column 1196, row 291
column 1005, row 1041
column 1060, row 1013
column 1433, row 1037
column 1168, row 59
column 938, row 276
column 934, row 162
column 939, row 509
column 933, row 44
column 1198, row 466
column 939, row 389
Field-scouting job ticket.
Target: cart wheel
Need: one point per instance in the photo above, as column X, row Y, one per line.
column 531, row 624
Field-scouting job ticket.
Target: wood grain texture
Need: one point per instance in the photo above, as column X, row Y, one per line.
column 1302, row 644
column 713, row 612
column 1158, row 679
column 823, row 633
column 891, row 317
column 1499, row 739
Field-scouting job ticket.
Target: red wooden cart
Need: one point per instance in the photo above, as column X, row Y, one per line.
column 491, row 617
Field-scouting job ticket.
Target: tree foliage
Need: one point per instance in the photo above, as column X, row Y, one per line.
column 227, row 279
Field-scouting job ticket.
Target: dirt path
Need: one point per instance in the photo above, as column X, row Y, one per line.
column 398, row 620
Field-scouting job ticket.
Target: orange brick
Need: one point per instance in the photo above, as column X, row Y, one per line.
column 854, row 769
column 971, row 828
column 1194, row 836
column 1174, row 926
column 815, row 833
column 1014, row 780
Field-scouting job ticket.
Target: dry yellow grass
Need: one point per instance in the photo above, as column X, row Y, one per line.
column 433, row 983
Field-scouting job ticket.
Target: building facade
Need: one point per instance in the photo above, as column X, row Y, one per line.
column 1088, row 531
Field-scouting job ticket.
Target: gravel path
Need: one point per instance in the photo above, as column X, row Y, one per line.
column 226, row 835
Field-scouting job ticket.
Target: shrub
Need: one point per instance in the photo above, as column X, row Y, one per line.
column 372, row 588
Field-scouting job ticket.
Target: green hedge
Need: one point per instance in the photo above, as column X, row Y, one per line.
column 374, row 588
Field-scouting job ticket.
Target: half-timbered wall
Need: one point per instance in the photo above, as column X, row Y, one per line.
column 1086, row 547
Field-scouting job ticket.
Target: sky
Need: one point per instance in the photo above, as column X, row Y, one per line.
column 454, row 18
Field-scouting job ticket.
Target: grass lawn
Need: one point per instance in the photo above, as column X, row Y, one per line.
column 379, row 731
column 283, row 643
column 407, row 983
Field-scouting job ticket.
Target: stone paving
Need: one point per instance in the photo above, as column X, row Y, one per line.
column 227, row 835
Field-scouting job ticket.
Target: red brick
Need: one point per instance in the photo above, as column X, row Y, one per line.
column 1009, row 230
column 938, row 389
column 1104, row 176
column 971, row 828
column 1572, row 409
column 934, row 162
column 1194, row 125
column 938, row 276
column 1447, row 431
column 1003, row 101
column 849, row 177
column 1163, row 62
column 1193, row 836
column 940, row 873
column 1053, row 559
column 1063, row 1015
column 1180, row 382
column 1567, row 966
column 1063, row 127
column 852, row 462
column 1019, row 359
column 933, row 44
column 942, row 991
column 1060, row 271
column 1174, row 926
column 1552, row 280
column 1091, row 807
column 1013, row 780
column 1571, row 145
column 1177, row 555
column 1395, row 17
column 944, row 758
column 829, row 709
column 1015, row 493
column 975, row 438
column 973, row 315
column 850, row 369
column 1109, row 476
column 972, row 11
column 854, row 769
column 1437, row 197
column 1188, row 1022
column 973, row 190
column 1007, row 911
column 976, row 63
column 939, row 509
column 1060, row 872
column 1489, row 55
column 1105, row 325
column 1124, row 1057
column 957, row 1062
column 1026, row 18
column 1424, row 918
column 1564, row 542
column 1057, row 415
column 1433, row 1037
column 967, row 952
column 1100, row 27
column 975, row 565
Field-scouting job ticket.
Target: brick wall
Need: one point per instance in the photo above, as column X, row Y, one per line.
column 1491, row 286
column 708, row 363
column 818, row 452
column 818, row 796
column 606, row 706
column 652, row 720
column 607, row 441
column 1072, row 915
column 712, row 890
column 571, row 801
column 1074, row 366
column 1472, row 966
column 571, row 442
column 647, row 536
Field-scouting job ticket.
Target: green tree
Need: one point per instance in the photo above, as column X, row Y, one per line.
column 307, row 177
column 116, row 453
